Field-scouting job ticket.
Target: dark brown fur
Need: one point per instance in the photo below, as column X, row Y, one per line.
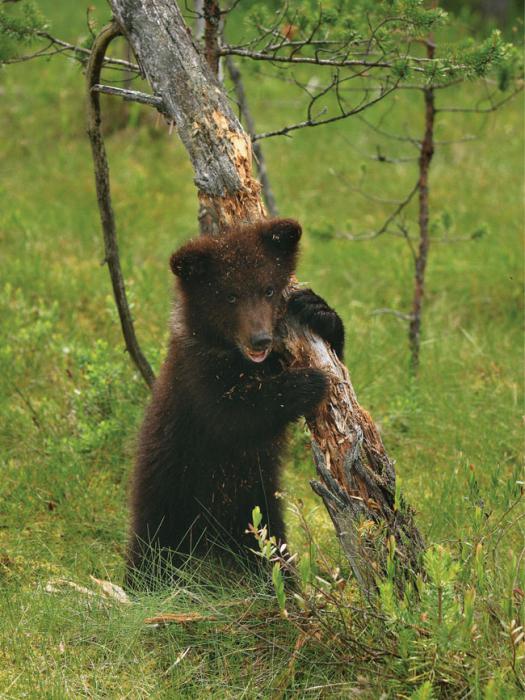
column 210, row 445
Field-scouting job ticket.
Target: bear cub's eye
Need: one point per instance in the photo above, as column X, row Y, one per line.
column 269, row 292
column 232, row 298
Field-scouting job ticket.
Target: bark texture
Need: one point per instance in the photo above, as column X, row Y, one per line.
column 358, row 478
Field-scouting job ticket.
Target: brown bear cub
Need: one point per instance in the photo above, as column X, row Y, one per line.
column 210, row 445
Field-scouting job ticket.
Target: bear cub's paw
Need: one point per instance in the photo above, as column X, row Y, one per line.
column 313, row 312
column 306, row 388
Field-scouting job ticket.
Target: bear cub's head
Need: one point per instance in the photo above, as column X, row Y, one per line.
column 232, row 286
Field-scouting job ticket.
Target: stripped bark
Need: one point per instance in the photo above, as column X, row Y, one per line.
column 425, row 159
column 350, row 456
column 107, row 217
column 129, row 95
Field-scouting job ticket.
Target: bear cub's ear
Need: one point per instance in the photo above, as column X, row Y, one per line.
column 281, row 235
column 192, row 262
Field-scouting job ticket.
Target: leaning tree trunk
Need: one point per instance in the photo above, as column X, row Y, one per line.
column 357, row 477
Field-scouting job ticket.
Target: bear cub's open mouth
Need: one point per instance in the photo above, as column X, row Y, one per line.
column 256, row 355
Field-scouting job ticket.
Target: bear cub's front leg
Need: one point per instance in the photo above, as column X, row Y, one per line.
column 313, row 312
column 302, row 390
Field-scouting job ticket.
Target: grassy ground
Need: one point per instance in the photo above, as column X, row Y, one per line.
column 70, row 401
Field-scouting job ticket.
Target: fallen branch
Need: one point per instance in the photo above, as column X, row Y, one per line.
column 178, row 618
column 105, row 589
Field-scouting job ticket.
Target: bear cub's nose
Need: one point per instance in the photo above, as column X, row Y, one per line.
column 261, row 341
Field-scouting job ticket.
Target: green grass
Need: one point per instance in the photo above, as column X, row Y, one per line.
column 70, row 401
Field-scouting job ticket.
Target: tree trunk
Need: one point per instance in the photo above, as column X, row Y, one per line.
column 358, row 477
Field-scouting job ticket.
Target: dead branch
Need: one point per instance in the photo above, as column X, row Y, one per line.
column 380, row 157
column 386, row 224
column 395, row 137
column 130, row 95
column 329, row 120
column 482, row 110
column 100, row 164
column 308, row 60
column 73, row 51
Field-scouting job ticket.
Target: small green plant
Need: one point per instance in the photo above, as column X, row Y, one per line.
column 431, row 632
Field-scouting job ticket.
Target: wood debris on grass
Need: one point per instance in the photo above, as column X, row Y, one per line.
column 111, row 590
column 106, row 589
column 178, row 618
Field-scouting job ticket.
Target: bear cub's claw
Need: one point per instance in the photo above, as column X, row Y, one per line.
column 313, row 312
